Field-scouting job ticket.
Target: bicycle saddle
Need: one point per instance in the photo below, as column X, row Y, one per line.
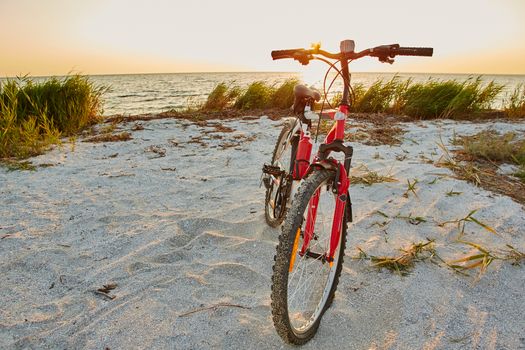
column 301, row 91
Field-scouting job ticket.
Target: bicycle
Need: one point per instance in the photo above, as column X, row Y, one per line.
column 309, row 255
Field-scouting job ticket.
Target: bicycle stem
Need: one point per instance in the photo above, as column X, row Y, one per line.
column 346, row 82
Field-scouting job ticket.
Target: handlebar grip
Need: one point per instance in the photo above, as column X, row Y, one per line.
column 413, row 51
column 280, row 54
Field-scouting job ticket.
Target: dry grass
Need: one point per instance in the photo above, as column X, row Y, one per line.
column 411, row 188
column 202, row 117
column 492, row 146
column 108, row 137
column 467, row 172
column 372, row 129
column 479, row 156
column 14, row 165
column 513, row 255
column 482, row 257
column 375, row 135
column 370, row 177
column 414, row 220
column 405, row 261
column 461, row 223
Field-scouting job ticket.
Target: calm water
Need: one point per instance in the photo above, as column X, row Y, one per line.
column 146, row 93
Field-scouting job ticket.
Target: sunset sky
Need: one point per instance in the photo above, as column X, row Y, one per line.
column 54, row 37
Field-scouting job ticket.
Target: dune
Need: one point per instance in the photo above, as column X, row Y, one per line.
column 171, row 222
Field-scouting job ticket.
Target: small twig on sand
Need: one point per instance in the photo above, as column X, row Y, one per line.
column 214, row 307
column 106, row 289
column 110, row 297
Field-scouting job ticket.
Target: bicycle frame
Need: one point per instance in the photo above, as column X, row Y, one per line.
column 332, row 142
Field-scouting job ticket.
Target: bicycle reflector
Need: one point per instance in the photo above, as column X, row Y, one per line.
column 347, row 46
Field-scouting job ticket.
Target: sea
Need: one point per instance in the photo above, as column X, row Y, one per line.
column 132, row 94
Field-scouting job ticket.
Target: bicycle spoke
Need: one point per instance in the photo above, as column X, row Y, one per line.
column 308, row 278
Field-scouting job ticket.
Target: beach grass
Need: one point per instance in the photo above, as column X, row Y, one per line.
column 448, row 99
column 258, row 95
column 283, row 95
column 378, row 96
column 431, row 99
column 34, row 115
column 222, row 96
column 514, row 106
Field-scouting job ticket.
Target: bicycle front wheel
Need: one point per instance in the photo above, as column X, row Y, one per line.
column 303, row 281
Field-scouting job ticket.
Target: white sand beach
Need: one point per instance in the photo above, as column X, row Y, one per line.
column 174, row 217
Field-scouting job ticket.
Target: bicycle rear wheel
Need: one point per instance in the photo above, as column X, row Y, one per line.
column 303, row 286
column 278, row 186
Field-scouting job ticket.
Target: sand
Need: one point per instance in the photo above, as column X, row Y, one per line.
column 179, row 227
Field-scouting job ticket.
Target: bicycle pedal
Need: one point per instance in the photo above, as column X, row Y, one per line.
column 272, row 170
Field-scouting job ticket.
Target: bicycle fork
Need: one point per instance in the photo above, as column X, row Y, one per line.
column 340, row 189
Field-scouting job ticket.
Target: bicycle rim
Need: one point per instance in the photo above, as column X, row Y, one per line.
column 311, row 277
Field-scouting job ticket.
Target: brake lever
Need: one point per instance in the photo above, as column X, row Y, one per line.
column 385, row 59
column 304, row 59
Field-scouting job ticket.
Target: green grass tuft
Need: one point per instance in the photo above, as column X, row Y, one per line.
column 283, row 96
column 222, row 96
column 257, row 96
column 514, row 106
column 448, row 99
column 34, row 115
column 378, row 97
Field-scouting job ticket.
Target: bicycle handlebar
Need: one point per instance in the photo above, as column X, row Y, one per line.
column 295, row 53
column 414, row 51
column 385, row 53
column 280, row 54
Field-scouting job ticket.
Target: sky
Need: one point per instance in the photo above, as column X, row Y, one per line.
column 56, row 37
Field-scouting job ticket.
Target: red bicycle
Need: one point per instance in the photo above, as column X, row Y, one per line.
column 311, row 245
